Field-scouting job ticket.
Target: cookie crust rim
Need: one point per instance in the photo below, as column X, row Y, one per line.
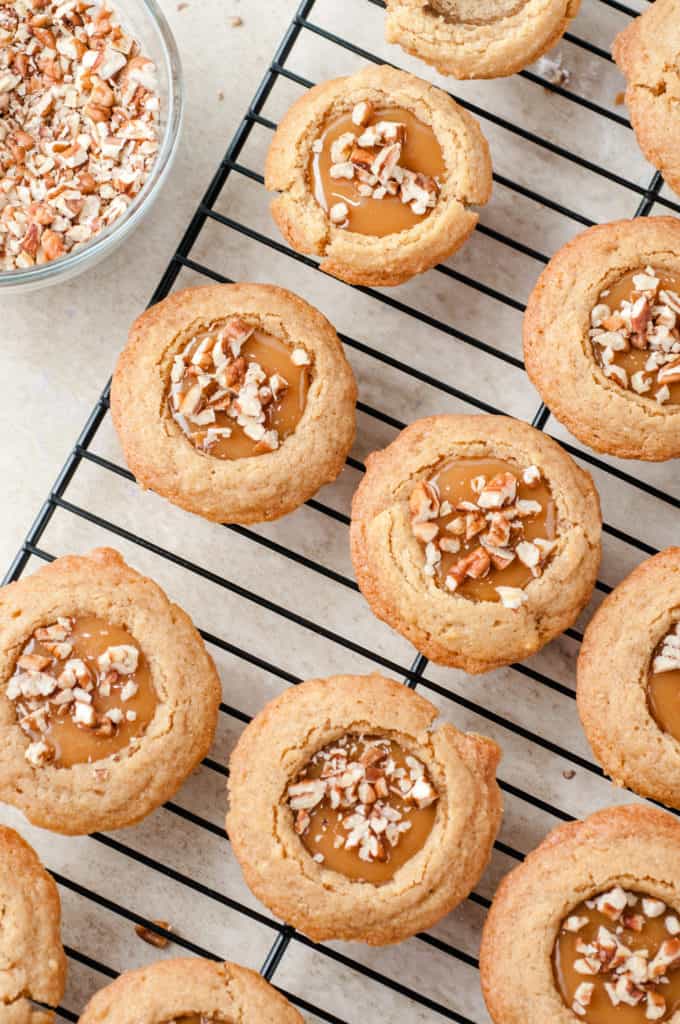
column 575, row 860
column 33, row 911
column 439, row 623
column 167, row 989
column 468, row 50
column 625, row 738
column 280, row 871
column 255, row 488
column 81, row 799
column 367, row 259
column 594, row 409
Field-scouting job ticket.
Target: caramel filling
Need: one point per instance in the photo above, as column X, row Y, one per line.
column 635, row 335
column 193, row 1018
column 237, row 391
column 82, row 691
column 377, row 171
column 363, row 806
column 616, row 959
column 476, row 12
column 487, row 528
column 663, row 691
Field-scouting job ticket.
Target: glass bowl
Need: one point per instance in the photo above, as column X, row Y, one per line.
column 145, row 20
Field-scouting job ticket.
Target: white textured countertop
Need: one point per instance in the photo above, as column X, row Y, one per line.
column 280, row 597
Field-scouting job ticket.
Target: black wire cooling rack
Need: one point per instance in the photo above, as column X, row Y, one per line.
column 414, row 1001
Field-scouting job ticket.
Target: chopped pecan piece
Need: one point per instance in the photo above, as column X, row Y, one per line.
column 153, row 938
column 475, row 565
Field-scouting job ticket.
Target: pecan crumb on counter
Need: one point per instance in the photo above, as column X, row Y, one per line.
column 153, row 938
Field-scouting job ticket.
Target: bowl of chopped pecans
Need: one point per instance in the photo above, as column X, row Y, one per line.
column 90, row 115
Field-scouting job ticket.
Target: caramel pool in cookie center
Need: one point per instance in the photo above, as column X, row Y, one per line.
column 401, row 826
column 476, row 12
column 193, row 1018
column 420, row 152
column 626, row 988
column 282, row 410
column 634, row 359
column 663, row 687
column 75, row 743
column 455, row 485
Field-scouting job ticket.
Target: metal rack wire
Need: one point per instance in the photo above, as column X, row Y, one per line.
column 234, row 166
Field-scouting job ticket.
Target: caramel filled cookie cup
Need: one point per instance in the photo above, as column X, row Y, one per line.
column 353, row 816
column 32, row 960
column 647, row 53
column 477, row 538
column 189, row 991
column 587, row 926
column 235, row 402
column 377, row 173
column 473, row 39
column 628, row 688
column 108, row 697
column 602, row 337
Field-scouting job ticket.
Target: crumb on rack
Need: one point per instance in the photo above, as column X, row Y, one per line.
column 153, row 938
column 553, row 70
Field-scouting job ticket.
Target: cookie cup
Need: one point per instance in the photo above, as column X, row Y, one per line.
column 367, row 259
column 325, row 904
column 246, row 490
column 33, row 961
column 613, row 671
column 473, row 50
column 558, row 350
column 189, row 986
column 634, row 846
column 647, row 53
column 388, row 560
column 120, row 789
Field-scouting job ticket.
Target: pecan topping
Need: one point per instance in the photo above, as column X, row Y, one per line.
column 214, row 388
column 51, row 688
column 356, row 788
column 371, row 159
column 668, row 658
column 626, row 961
column 488, row 530
column 647, row 322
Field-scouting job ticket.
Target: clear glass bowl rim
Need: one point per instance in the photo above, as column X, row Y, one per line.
column 67, row 266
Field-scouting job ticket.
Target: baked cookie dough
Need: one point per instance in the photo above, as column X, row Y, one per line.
column 354, row 816
column 32, row 961
column 602, row 338
column 189, row 991
column 629, row 680
column 587, row 927
column 108, row 697
column 648, row 53
column 473, row 39
column 476, row 537
column 377, row 174
column 234, row 401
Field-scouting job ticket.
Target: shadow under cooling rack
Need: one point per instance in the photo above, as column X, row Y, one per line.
column 415, row 673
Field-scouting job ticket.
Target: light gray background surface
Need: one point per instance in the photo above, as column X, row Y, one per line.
column 60, row 347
